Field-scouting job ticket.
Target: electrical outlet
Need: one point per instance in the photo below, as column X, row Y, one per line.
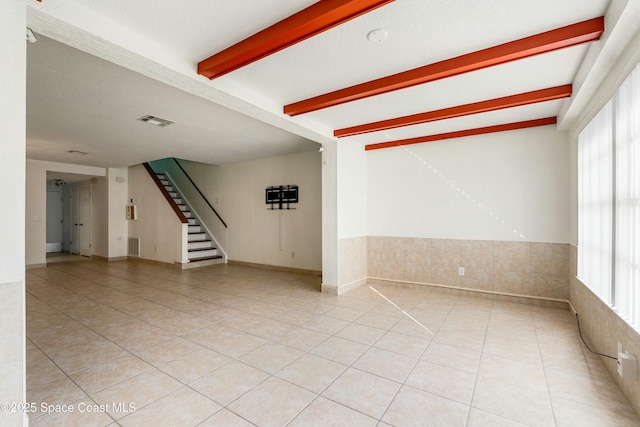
column 156, row 248
column 293, row 254
column 460, row 271
column 627, row 365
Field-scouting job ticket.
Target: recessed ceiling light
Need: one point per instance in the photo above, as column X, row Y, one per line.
column 81, row 153
column 377, row 36
column 156, row 121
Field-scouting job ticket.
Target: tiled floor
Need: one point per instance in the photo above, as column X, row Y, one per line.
column 235, row 346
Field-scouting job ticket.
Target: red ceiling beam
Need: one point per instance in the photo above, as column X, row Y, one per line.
column 462, row 133
column 559, row 38
column 309, row 22
column 521, row 99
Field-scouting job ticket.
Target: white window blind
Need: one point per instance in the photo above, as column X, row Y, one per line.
column 609, row 202
column 627, row 237
column 595, row 198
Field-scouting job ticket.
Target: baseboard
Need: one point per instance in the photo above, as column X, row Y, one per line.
column 31, row 266
column 275, row 267
column 104, row 258
column 344, row 288
column 499, row 296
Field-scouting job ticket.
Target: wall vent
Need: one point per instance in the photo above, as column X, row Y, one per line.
column 134, row 246
column 155, row 121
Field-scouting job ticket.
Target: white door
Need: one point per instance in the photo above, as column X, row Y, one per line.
column 84, row 202
column 74, row 239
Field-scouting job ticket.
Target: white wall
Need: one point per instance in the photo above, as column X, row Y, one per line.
column 238, row 194
column 118, row 226
column 352, row 190
column 158, row 227
column 36, row 203
column 99, row 217
column 428, row 190
column 13, row 65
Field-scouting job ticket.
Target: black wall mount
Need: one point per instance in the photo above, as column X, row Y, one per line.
column 280, row 197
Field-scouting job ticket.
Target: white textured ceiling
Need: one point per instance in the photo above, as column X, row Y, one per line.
column 78, row 101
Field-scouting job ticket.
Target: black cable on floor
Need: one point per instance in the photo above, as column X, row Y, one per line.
column 587, row 345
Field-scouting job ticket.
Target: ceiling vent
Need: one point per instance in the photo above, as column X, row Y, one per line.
column 156, row 121
column 81, row 153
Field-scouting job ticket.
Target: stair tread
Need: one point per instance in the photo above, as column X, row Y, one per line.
column 199, row 241
column 202, row 249
column 205, row 258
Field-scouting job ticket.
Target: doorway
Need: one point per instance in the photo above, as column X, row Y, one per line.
column 80, row 227
column 54, row 232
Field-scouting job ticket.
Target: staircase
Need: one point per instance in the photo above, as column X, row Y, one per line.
column 201, row 249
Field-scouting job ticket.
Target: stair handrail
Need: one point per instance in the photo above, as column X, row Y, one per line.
column 165, row 193
column 200, row 192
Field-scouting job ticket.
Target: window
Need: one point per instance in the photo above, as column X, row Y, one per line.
column 609, row 202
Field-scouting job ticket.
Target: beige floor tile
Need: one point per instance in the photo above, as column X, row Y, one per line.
column 478, row 418
column 237, row 344
column 377, row 320
column 87, row 356
column 593, row 391
column 362, row 391
column 325, row 324
column 271, row 357
column 385, row 364
column 139, row 336
column 40, row 369
column 513, row 372
column 412, row 407
column 302, row 339
column 407, row 326
column 359, row 348
column 194, row 365
column 81, row 413
column 569, row 414
column 296, row 317
column 361, row 333
column 326, row 413
column 208, row 335
column 183, row 407
column 274, row 402
column 109, row 373
column 243, row 322
column 271, row 329
column 139, row 390
column 447, row 382
column 468, row 340
column 515, row 403
column 345, row 313
column 228, row 382
column 225, row 418
column 454, row 357
column 312, row 372
column 166, row 351
column 402, row 344
column 522, row 349
column 340, row 350
column 58, row 392
column 66, row 337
